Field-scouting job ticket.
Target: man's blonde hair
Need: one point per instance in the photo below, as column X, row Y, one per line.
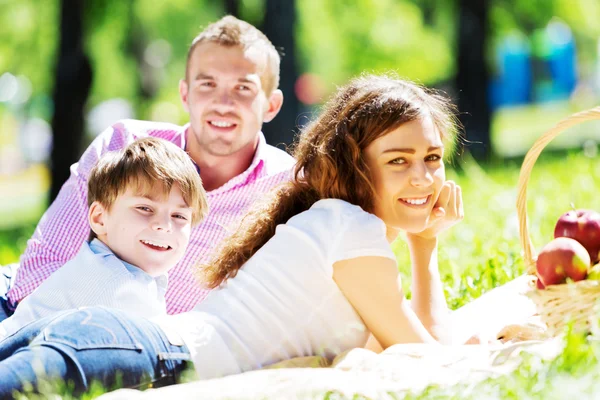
column 230, row 31
column 149, row 166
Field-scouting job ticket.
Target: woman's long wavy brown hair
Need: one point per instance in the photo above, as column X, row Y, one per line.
column 330, row 161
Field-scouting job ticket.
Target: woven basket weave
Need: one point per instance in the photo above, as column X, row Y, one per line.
column 557, row 305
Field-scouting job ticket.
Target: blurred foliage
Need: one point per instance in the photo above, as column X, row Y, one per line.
column 337, row 39
column 13, row 242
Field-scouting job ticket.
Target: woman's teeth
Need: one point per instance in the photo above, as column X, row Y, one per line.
column 415, row 202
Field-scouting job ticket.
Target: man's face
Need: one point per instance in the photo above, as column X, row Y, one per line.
column 225, row 97
column 149, row 232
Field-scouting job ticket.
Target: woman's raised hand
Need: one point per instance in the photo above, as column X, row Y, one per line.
column 447, row 211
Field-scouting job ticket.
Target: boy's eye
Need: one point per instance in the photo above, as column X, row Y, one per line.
column 144, row 208
column 180, row 216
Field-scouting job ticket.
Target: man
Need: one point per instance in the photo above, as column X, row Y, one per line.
column 229, row 90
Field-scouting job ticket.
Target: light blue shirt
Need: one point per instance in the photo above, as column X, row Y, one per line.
column 94, row 277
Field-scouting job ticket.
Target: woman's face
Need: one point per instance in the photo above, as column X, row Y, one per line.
column 407, row 169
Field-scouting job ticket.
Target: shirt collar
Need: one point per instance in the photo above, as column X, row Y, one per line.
column 258, row 160
column 254, row 170
column 260, row 153
column 99, row 248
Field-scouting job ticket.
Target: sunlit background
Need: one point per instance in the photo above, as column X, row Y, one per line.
column 514, row 67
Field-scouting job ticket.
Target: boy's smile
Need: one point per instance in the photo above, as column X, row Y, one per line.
column 146, row 230
column 156, row 246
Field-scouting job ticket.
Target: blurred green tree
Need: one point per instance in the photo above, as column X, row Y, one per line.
column 334, row 40
column 279, row 25
column 472, row 76
column 73, row 80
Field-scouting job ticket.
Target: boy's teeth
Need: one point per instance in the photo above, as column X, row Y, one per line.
column 221, row 124
column 155, row 244
column 417, row 202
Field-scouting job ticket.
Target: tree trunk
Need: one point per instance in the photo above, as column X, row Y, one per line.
column 279, row 26
column 73, row 80
column 232, row 7
column 472, row 77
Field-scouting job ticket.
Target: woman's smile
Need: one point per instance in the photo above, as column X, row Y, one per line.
column 418, row 202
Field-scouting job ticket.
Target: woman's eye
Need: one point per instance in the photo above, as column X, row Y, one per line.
column 433, row 157
column 398, row 161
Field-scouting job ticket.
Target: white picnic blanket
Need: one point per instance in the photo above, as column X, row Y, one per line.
column 400, row 369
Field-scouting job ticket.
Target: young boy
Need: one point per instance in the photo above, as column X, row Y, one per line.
column 143, row 202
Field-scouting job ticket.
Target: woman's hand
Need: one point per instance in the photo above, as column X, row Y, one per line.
column 447, row 211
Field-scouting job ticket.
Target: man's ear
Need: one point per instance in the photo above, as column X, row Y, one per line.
column 183, row 94
column 96, row 215
column 275, row 103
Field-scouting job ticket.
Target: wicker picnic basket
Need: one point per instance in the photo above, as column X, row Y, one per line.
column 557, row 305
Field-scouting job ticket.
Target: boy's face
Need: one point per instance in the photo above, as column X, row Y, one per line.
column 149, row 232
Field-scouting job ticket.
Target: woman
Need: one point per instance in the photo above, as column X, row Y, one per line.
column 310, row 271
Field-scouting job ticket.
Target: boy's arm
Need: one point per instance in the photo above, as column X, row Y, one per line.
column 64, row 226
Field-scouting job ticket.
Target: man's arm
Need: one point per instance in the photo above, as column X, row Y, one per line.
column 64, row 226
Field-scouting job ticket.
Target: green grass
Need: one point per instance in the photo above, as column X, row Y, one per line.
column 484, row 252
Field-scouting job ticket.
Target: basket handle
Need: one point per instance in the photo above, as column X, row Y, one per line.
column 530, row 159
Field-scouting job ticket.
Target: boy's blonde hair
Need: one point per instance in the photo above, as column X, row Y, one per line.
column 147, row 165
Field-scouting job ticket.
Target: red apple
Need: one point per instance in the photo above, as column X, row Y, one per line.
column 538, row 284
column 560, row 259
column 583, row 226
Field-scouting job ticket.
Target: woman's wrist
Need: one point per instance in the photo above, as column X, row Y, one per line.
column 423, row 254
column 420, row 242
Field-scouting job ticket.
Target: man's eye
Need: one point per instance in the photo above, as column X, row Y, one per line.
column 244, row 88
column 208, row 84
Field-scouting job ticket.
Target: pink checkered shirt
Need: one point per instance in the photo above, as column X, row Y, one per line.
column 64, row 226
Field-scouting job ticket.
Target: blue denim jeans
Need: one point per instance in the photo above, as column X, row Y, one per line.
column 7, row 279
column 90, row 344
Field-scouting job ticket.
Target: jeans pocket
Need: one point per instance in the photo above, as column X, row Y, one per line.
column 92, row 328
